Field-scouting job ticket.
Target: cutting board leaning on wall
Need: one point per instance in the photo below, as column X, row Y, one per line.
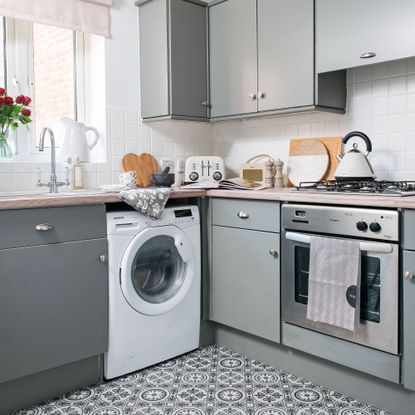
column 333, row 145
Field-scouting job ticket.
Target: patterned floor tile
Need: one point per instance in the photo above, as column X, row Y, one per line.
column 210, row 381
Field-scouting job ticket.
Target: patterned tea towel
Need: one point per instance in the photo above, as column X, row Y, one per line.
column 150, row 201
column 334, row 282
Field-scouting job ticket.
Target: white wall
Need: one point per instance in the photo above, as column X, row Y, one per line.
column 381, row 103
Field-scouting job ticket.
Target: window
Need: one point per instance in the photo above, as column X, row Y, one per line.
column 54, row 67
column 53, row 75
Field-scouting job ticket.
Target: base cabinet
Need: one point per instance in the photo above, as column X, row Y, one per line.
column 408, row 366
column 53, row 300
column 245, row 292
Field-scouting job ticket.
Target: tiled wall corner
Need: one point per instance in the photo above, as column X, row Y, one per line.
column 381, row 103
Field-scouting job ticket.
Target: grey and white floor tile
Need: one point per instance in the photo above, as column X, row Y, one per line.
column 210, row 381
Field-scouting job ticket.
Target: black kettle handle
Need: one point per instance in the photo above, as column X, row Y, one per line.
column 366, row 139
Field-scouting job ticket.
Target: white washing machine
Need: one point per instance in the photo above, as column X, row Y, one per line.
column 154, row 288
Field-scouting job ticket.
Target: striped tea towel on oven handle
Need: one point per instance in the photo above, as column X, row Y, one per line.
column 334, row 282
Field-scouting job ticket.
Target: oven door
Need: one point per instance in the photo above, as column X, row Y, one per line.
column 378, row 326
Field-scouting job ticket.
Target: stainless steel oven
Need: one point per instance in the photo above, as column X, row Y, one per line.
column 378, row 232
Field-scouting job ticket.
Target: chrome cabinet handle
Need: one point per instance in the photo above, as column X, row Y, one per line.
column 409, row 275
column 252, row 97
column 205, row 104
column 103, row 259
column 243, row 215
column 261, row 95
column 44, row 227
column 274, row 253
column 367, row 55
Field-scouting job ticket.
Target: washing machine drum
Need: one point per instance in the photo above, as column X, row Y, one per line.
column 157, row 270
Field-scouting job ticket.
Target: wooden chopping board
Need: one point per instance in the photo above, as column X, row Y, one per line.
column 308, row 163
column 333, row 145
column 144, row 166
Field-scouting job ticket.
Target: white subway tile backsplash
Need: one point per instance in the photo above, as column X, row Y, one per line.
column 380, row 106
column 381, row 70
column 363, row 73
column 117, row 116
column 397, row 85
column 380, row 87
column 117, row 132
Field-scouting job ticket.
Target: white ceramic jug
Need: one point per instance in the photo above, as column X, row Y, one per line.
column 75, row 141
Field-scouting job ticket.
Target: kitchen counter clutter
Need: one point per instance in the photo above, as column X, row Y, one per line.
column 280, row 195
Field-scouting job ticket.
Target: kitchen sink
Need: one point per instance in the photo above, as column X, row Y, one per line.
column 29, row 193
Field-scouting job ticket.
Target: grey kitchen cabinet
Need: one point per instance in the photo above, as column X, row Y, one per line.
column 53, row 297
column 233, row 58
column 408, row 308
column 349, row 30
column 245, row 279
column 285, row 54
column 173, row 59
column 262, row 60
column 408, row 316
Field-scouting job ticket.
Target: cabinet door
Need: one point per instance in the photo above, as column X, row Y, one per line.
column 408, row 322
column 285, row 54
column 53, row 306
column 233, row 58
column 154, row 80
column 188, row 59
column 346, row 29
column 245, row 280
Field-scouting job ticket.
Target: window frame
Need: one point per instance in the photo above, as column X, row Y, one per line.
column 19, row 79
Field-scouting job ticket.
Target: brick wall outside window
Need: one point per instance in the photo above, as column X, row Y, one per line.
column 53, row 62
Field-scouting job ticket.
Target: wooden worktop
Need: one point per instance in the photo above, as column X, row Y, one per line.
column 293, row 195
column 39, row 201
column 281, row 195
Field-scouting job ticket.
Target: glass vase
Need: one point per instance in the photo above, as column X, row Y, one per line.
column 6, row 151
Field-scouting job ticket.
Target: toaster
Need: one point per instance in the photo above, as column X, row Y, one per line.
column 204, row 169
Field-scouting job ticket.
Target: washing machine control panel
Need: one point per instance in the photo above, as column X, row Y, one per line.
column 129, row 221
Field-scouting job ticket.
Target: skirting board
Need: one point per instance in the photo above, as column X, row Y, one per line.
column 375, row 391
column 49, row 384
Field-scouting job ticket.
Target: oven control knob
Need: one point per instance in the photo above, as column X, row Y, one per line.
column 362, row 226
column 375, row 227
column 193, row 176
column 217, row 175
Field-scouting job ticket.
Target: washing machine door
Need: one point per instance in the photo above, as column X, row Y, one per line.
column 157, row 269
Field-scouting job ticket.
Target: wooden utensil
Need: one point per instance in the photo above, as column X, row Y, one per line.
column 308, row 163
column 147, row 165
column 333, row 145
column 144, row 166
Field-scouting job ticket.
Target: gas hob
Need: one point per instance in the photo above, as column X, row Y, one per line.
column 370, row 187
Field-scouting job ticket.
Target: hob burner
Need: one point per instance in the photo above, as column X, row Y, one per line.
column 370, row 187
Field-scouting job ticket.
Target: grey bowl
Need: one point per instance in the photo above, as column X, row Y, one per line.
column 162, row 179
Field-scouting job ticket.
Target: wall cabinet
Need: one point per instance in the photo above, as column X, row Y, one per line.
column 53, row 292
column 347, row 30
column 245, row 267
column 173, row 59
column 262, row 60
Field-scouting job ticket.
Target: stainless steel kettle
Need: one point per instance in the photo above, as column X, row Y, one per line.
column 354, row 165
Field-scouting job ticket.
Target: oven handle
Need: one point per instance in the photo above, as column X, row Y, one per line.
column 375, row 247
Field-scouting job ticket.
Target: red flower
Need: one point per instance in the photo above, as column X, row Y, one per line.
column 8, row 101
column 20, row 99
column 2, row 91
column 27, row 101
column 26, row 112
